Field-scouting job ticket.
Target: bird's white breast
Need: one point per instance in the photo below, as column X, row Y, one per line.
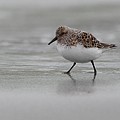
column 79, row 54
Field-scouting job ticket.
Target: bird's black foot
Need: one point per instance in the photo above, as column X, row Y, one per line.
column 93, row 80
column 95, row 71
column 68, row 73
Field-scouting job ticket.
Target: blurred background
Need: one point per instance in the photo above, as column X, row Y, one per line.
column 23, row 20
column 31, row 79
column 36, row 20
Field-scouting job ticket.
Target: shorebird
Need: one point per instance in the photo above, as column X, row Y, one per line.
column 79, row 46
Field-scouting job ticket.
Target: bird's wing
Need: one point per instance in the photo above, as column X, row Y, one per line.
column 89, row 41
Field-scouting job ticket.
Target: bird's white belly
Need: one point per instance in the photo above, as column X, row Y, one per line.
column 79, row 54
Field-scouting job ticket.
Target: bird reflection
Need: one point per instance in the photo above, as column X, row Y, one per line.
column 75, row 86
column 74, row 80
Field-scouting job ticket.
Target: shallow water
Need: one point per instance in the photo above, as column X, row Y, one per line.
column 32, row 83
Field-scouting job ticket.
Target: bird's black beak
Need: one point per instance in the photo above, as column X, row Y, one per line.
column 52, row 41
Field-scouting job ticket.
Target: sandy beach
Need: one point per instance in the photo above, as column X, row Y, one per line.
column 32, row 83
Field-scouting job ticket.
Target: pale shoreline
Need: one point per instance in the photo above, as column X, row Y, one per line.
column 32, row 83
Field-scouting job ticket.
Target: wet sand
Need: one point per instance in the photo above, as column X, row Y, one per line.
column 37, row 89
column 32, row 83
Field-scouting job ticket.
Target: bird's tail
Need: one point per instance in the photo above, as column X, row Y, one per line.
column 112, row 46
column 106, row 46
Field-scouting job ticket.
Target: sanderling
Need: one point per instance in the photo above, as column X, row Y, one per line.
column 79, row 46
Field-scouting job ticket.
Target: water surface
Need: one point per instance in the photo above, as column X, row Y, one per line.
column 32, row 83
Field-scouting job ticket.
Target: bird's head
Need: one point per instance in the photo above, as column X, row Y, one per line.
column 59, row 32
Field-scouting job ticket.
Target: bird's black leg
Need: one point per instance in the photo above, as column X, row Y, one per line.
column 95, row 71
column 68, row 72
